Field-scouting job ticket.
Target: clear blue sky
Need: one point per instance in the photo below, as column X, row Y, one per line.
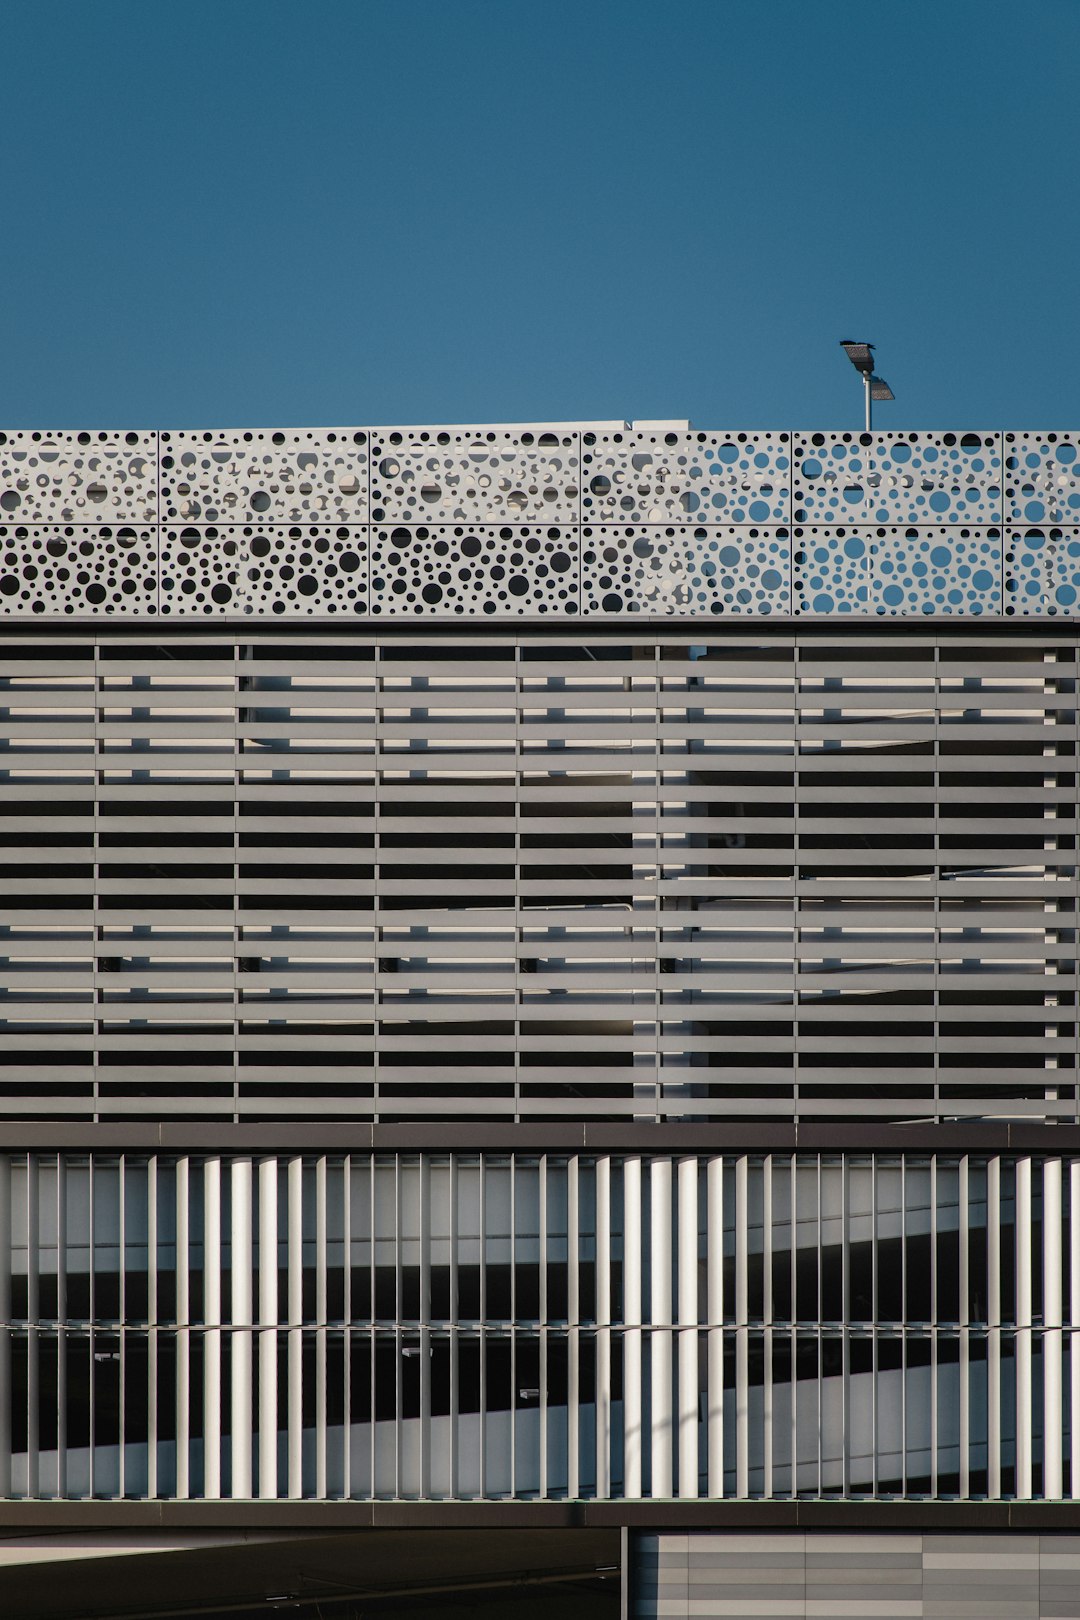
column 245, row 212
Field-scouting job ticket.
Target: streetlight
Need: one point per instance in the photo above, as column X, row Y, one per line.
column 861, row 356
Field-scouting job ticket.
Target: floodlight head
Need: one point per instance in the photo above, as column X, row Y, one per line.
column 861, row 355
column 879, row 389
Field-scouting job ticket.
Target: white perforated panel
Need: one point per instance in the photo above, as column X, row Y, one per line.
column 634, row 568
column 475, row 475
column 898, row 572
column 313, row 569
column 298, row 475
column 686, row 477
column 486, row 520
column 936, row 571
column 200, row 570
column 830, row 570
column 78, row 477
column 73, row 569
column 897, row 477
column 1042, row 571
column 294, row 571
column 1042, row 478
column 524, row 569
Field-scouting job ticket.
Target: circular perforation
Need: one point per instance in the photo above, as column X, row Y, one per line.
column 293, row 571
column 199, row 571
column 897, row 477
column 685, row 570
column 265, row 476
column 898, row 571
column 476, row 475
column 1042, row 478
column 77, row 569
column 78, row 477
column 686, row 477
column 440, row 569
column 1042, row 571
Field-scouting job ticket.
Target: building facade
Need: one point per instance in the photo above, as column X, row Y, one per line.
column 539, row 996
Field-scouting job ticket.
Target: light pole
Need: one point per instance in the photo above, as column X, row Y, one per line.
column 861, row 356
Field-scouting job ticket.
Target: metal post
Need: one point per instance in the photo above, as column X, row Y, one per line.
column 1053, row 1413
column 660, row 1340
column 869, row 403
column 212, row 1333
column 688, row 1326
column 268, row 1326
column 1024, row 1414
column 603, row 1328
column 242, row 1318
column 632, row 1447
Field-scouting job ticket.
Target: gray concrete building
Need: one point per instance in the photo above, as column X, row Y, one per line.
column 538, row 977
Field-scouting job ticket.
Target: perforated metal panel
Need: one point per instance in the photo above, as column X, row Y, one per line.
column 562, row 520
column 832, row 569
column 78, row 477
column 921, row 569
column 200, row 570
column 934, row 571
column 55, row 570
column 686, row 477
column 276, row 570
column 1042, row 571
column 292, row 475
column 897, row 477
column 645, row 568
column 1042, row 478
column 526, row 569
column 476, row 475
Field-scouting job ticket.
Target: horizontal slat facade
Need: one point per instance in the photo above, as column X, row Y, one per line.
column 799, row 874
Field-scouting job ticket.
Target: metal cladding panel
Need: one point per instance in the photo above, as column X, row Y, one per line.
column 675, row 477
column 295, row 475
column 79, row 478
column 686, row 571
column 1042, row 478
column 920, row 1576
column 559, row 520
column 523, row 571
column 270, row 570
column 53, row 570
column 1042, row 571
column 934, row 571
column 476, row 475
column 895, row 478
